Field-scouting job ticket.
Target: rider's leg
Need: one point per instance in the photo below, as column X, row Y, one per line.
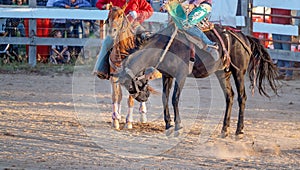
column 195, row 31
column 106, row 46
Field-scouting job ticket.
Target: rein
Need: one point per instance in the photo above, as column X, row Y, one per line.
column 167, row 47
column 131, row 74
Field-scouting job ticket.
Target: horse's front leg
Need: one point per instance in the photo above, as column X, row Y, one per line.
column 116, row 102
column 129, row 117
column 179, row 83
column 167, row 84
column 143, row 112
column 224, row 79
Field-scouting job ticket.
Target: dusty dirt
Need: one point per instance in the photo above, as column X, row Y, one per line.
column 60, row 121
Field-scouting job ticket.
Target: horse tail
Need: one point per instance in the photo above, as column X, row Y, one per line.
column 261, row 68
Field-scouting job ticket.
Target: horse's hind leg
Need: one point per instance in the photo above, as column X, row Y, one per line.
column 224, row 79
column 116, row 100
column 129, row 117
column 239, row 78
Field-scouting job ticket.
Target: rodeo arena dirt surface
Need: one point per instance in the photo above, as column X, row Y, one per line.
column 63, row 121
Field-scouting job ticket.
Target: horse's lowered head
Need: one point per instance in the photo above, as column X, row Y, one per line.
column 137, row 85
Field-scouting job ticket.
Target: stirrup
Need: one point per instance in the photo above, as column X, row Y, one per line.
column 215, row 46
column 191, row 65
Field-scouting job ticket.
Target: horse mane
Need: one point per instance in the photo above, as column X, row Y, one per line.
column 127, row 40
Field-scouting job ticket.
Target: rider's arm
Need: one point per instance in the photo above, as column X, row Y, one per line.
column 143, row 9
column 101, row 4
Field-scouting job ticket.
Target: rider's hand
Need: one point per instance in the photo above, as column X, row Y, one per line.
column 191, row 7
column 133, row 14
column 106, row 6
column 162, row 9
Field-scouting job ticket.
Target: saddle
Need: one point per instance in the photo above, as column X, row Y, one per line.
column 206, row 26
column 183, row 21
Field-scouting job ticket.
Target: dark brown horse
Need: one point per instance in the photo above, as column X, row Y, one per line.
column 169, row 52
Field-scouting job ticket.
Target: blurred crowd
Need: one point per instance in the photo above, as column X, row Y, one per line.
column 68, row 28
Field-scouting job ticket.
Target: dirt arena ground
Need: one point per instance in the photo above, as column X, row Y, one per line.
column 62, row 121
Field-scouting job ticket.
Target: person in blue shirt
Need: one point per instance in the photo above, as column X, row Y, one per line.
column 72, row 3
column 74, row 26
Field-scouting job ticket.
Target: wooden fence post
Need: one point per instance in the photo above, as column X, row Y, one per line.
column 32, row 34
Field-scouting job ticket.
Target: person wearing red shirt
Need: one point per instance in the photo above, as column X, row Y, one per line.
column 138, row 9
column 283, row 74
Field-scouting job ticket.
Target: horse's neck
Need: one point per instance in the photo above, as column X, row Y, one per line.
column 126, row 41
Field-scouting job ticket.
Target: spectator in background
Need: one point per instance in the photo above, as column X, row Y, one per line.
column 93, row 2
column 5, row 2
column 50, row 3
column 14, row 27
column 74, row 26
column 283, row 74
column 41, row 2
column 58, row 24
column 18, row 22
column 89, row 26
column 59, row 54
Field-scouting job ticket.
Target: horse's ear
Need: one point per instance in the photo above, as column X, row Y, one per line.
column 124, row 6
column 110, row 5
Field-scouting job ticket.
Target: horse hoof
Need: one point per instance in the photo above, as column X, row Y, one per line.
column 239, row 135
column 178, row 127
column 169, row 131
column 143, row 118
column 178, row 132
column 224, row 134
column 128, row 125
column 115, row 124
